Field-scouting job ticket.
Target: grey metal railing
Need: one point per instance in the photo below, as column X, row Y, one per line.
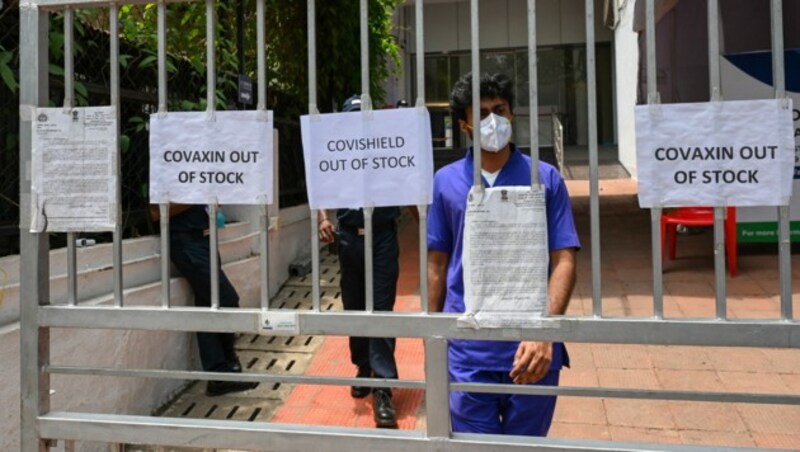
column 40, row 425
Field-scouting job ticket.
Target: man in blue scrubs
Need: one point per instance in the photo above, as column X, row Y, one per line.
column 527, row 362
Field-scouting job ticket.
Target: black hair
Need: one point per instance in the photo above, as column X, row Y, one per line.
column 492, row 85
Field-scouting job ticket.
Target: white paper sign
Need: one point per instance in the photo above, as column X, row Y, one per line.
column 73, row 169
column 368, row 159
column 715, row 154
column 228, row 158
column 505, row 258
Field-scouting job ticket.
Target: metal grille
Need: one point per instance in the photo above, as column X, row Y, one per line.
column 138, row 98
column 39, row 423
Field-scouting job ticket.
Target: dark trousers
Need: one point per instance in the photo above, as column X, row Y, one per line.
column 374, row 353
column 190, row 254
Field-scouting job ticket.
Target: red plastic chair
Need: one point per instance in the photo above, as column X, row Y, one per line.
column 699, row 216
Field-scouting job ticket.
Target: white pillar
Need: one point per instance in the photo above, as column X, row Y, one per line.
column 626, row 51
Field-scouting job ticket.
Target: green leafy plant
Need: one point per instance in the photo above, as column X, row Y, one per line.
column 6, row 74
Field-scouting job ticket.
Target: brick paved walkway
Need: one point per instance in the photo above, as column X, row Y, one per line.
column 627, row 289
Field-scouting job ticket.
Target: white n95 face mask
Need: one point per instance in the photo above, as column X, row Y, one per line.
column 495, row 132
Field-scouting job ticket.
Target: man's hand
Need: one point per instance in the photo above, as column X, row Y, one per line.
column 327, row 232
column 437, row 279
column 531, row 362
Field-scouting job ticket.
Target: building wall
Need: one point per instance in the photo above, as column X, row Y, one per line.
column 626, row 61
column 503, row 24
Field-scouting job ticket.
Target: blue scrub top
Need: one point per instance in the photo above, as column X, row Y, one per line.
column 451, row 186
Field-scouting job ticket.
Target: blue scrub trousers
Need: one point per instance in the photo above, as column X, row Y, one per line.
column 501, row 414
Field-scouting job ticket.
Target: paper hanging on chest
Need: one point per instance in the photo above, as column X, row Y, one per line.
column 74, row 169
column 194, row 160
column 505, row 258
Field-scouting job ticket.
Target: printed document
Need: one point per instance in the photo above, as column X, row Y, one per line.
column 505, row 258
column 73, row 169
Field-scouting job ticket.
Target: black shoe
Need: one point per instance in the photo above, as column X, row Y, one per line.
column 383, row 409
column 359, row 392
column 215, row 388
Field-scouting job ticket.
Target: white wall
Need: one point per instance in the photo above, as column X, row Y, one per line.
column 626, row 72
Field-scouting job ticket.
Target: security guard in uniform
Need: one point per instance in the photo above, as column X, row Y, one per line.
column 374, row 357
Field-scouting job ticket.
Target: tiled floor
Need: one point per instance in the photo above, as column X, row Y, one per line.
column 689, row 292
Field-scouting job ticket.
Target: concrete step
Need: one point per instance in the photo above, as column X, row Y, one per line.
column 95, row 276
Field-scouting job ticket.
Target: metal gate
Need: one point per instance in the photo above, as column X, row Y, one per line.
column 41, row 426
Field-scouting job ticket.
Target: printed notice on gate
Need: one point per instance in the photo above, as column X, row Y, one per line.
column 195, row 158
column 368, row 159
column 74, row 170
column 505, row 258
column 738, row 153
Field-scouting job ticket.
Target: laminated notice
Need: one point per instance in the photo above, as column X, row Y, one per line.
column 73, row 169
column 279, row 323
column 505, row 258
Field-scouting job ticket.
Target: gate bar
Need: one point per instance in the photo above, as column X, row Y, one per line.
column 162, row 110
column 211, row 68
column 644, row 331
column 213, row 246
column 233, row 376
column 422, row 209
column 261, row 57
column 366, row 106
column 369, row 272
column 313, row 110
column 262, row 106
column 34, row 247
column 69, row 59
column 183, row 432
column 533, row 93
column 366, row 99
column 115, row 102
column 436, row 395
column 162, row 56
column 475, row 54
column 419, row 13
column 211, row 106
column 594, row 187
column 437, row 388
column 720, row 212
column 69, row 103
column 315, row 295
column 655, row 212
column 263, row 225
column 784, row 238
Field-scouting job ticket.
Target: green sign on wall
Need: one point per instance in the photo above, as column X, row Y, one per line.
column 764, row 232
